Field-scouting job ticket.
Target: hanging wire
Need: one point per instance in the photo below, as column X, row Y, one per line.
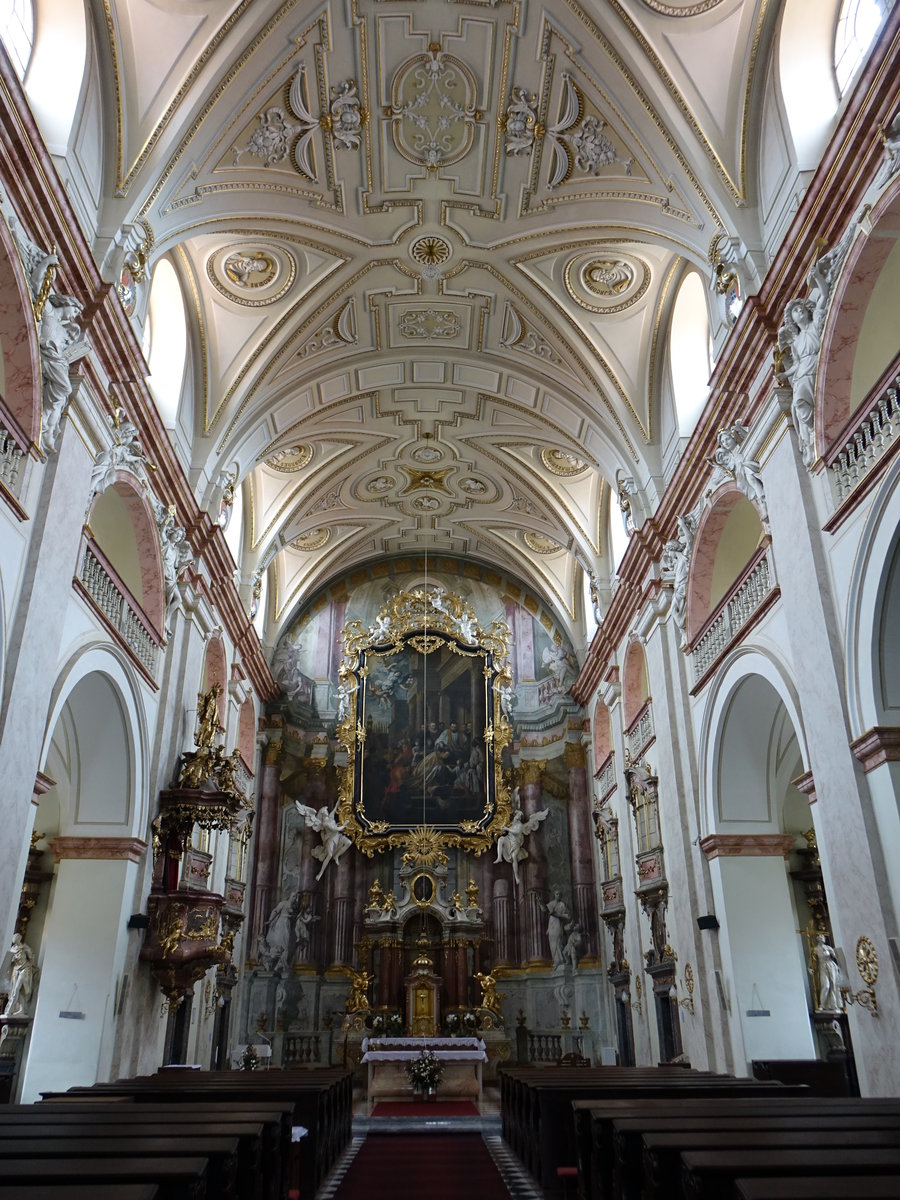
column 425, row 693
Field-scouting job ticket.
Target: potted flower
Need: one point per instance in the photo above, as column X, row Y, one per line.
column 378, row 1025
column 470, row 1022
column 453, row 1023
column 424, row 1072
column 395, row 1025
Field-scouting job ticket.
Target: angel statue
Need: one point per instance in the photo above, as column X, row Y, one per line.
column 510, row 844
column 334, row 842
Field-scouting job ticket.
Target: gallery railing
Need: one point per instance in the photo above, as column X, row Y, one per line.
column 641, row 732
column 123, row 614
column 606, row 776
column 749, row 592
column 867, row 444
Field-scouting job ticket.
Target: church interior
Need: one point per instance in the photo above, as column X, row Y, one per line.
column 450, row 557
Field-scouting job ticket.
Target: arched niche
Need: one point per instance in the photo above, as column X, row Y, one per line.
column 94, row 811
column 247, row 733
column 215, row 670
column 602, row 734
column 20, row 364
column 758, row 815
column 124, row 529
column 636, row 685
column 728, row 536
column 859, row 342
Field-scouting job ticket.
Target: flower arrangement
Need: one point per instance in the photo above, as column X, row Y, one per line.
column 249, row 1060
column 424, row 1071
column 378, row 1024
column 452, row 1023
column 395, row 1024
column 470, row 1022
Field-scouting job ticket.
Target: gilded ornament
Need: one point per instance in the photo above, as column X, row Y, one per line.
column 313, row 539
column 540, row 543
column 563, row 462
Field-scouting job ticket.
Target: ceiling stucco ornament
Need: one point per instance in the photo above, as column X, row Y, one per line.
column 252, row 275
column 429, row 254
column 435, row 481
column 339, row 330
column 606, row 283
column 475, row 488
column 519, row 335
column 277, row 136
column 540, row 543
column 692, row 8
column 433, row 109
column 427, row 454
column 432, row 324
column 313, row 539
column 520, row 125
column 563, row 462
column 580, row 142
column 380, row 485
column 289, row 459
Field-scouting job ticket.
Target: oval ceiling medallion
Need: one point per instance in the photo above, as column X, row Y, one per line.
column 427, row 454
column 381, row 484
column 290, row 459
column 250, row 274
column 563, row 462
column 313, row 539
column 606, row 283
column 432, row 110
column 540, row 543
column 474, row 487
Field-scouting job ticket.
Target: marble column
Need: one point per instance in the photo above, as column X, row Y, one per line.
column 503, row 924
column 533, row 871
column 581, row 848
column 268, row 820
column 341, row 913
column 33, row 637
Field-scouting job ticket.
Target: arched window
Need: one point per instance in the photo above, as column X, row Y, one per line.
column 689, row 359
column 234, row 531
column 17, row 32
column 166, row 343
column 857, row 28
column 618, row 538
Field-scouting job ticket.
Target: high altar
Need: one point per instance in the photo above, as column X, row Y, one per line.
column 386, row 1060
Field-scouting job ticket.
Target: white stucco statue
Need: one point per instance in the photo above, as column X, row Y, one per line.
column 827, row 976
column 745, row 471
column 62, row 343
column 511, row 843
column 22, row 977
column 123, row 454
column 174, row 547
column 558, row 918
column 890, row 140
column 676, row 562
column 324, row 822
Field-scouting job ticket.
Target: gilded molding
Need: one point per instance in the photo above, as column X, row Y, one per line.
column 529, row 772
column 575, row 755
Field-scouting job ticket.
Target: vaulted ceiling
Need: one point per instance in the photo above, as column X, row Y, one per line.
column 428, row 250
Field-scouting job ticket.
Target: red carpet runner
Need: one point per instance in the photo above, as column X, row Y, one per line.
column 411, row 1108
column 441, row 1167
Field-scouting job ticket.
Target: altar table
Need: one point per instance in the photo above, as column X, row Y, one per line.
column 465, row 1051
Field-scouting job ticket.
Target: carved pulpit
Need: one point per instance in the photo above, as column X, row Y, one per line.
column 423, row 991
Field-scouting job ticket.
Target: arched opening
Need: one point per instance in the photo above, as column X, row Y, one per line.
column 636, row 685
column 17, row 32
column 125, row 532
column 859, row 350
column 728, row 538
column 79, row 930
column 760, row 817
column 689, row 352
column 215, row 671
column 806, row 74
column 56, row 69
column 856, row 30
column 234, row 530
column 20, row 368
column 602, row 735
column 165, row 337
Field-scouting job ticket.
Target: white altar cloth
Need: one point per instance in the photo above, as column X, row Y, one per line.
column 402, row 1050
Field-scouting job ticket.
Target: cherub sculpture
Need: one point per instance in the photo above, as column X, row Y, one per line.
column 334, row 842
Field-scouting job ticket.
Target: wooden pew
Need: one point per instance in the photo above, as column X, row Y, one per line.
column 629, row 1131
column 175, row 1178
column 594, row 1121
column 819, row 1187
column 219, row 1152
column 252, row 1181
column 74, row 1191
column 711, row 1174
column 663, row 1152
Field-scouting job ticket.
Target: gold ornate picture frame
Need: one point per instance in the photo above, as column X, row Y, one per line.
column 423, row 717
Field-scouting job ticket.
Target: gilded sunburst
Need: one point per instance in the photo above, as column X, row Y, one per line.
column 423, row 847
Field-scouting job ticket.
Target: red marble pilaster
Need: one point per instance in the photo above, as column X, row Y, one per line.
column 581, row 849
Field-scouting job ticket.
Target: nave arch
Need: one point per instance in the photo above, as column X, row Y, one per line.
column 92, row 819
column 753, row 817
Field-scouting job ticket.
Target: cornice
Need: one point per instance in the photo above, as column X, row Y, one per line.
column 747, row 845
column 878, row 745
column 126, row 849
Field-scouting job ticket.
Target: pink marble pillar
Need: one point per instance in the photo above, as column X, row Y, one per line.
column 533, row 872
column 341, row 912
column 268, row 820
column 504, row 925
column 580, row 839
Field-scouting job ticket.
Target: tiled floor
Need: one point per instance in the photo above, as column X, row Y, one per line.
column 520, row 1184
